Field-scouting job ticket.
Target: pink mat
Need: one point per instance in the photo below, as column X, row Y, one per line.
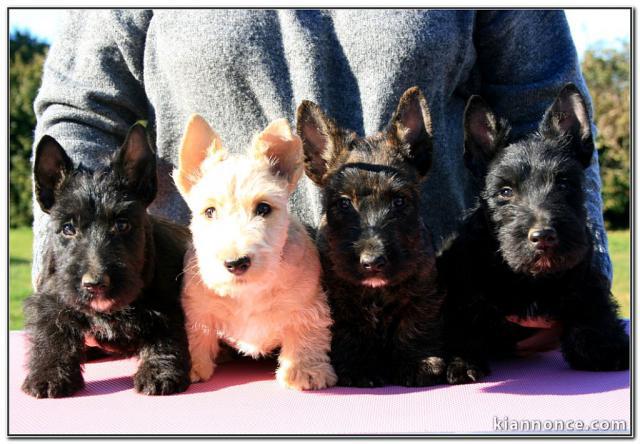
column 243, row 398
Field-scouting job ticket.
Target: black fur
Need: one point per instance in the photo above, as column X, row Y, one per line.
column 111, row 273
column 390, row 334
column 494, row 268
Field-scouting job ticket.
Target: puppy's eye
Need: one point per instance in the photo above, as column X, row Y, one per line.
column 344, row 203
column 68, row 229
column 263, row 209
column 506, row 192
column 122, row 226
column 398, row 202
column 210, row 212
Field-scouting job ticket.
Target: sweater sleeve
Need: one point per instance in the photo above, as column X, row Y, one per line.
column 523, row 60
column 92, row 91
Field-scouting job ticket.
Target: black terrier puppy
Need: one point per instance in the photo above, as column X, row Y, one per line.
column 377, row 255
column 525, row 249
column 111, row 273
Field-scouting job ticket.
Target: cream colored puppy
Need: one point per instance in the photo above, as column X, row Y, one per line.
column 252, row 277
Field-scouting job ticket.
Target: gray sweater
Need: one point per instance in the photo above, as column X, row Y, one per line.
column 241, row 69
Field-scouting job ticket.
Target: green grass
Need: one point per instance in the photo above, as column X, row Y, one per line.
column 20, row 271
column 620, row 251
column 19, row 274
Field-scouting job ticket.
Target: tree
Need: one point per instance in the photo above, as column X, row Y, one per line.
column 26, row 59
column 607, row 72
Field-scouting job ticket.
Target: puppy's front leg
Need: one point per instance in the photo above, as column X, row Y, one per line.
column 467, row 327
column 164, row 362
column 594, row 338
column 203, row 348
column 56, row 351
column 418, row 351
column 304, row 361
column 355, row 352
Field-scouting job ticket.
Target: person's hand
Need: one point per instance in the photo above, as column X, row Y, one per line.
column 547, row 339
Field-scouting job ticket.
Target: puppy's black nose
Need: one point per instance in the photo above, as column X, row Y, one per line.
column 543, row 237
column 94, row 283
column 373, row 264
column 238, row 266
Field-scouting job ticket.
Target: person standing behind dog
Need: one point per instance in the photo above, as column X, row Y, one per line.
column 241, row 69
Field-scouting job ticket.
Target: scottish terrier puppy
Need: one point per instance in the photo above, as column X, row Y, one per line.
column 111, row 273
column 377, row 255
column 252, row 278
column 525, row 249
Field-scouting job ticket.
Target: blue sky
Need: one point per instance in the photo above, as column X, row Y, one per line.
column 588, row 26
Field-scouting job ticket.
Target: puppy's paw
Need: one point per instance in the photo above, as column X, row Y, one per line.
column 201, row 370
column 461, row 371
column 429, row 371
column 592, row 350
column 156, row 379
column 354, row 379
column 54, row 384
column 306, row 375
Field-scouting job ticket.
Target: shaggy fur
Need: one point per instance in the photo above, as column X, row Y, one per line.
column 377, row 254
column 111, row 275
column 525, row 250
column 252, row 278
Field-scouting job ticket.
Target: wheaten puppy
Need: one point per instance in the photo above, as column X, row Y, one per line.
column 252, row 277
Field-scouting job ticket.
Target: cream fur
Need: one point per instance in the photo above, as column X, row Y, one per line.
column 278, row 302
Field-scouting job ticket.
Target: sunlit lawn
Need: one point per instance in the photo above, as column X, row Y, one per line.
column 620, row 251
column 20, row 271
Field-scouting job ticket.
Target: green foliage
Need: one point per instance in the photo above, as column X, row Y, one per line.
column 607, row 72
column 25, row 72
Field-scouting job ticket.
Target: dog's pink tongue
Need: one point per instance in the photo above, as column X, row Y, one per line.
column 101, row 303
column 90, row 340
column 375, row 282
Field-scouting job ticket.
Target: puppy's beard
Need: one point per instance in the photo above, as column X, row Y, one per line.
column 102, row 304
column 550, row 262
column 543, row 263
column 238, row 287
column 106, row 301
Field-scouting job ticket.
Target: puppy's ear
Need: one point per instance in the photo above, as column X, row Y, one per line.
column 282, row 149
column 411, row 126
column 136, row 162
column 568, row 117
column 198, row 142
column 51, row 166
column 484, row 135
column 323, row 141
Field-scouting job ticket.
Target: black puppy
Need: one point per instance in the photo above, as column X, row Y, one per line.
column 525, row 250
column 111, row 273
column 378, row 260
